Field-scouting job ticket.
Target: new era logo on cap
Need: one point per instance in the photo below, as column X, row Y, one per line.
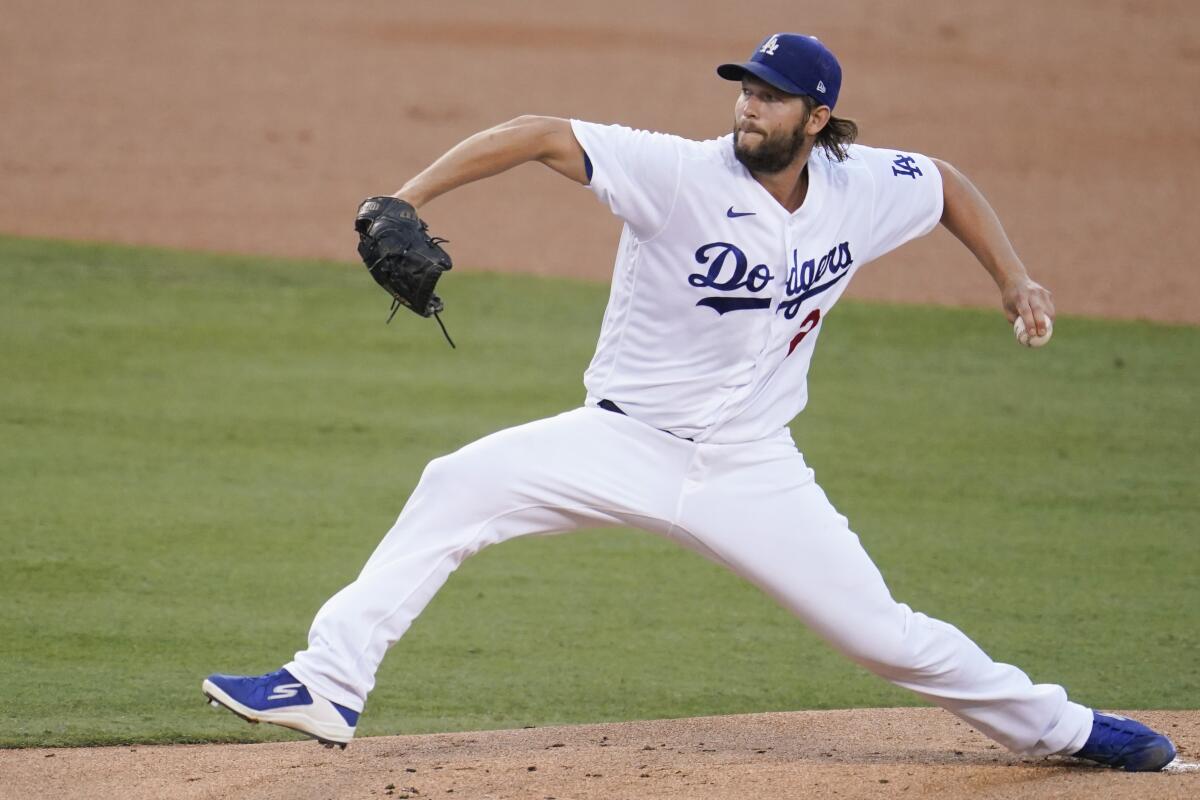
column 793, row 63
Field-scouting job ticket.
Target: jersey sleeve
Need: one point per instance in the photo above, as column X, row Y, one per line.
column 635, row 173
column 907, row 197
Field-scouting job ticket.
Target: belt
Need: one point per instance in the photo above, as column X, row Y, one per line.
column 609, row 405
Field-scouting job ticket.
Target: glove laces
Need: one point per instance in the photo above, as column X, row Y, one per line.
column 396, row 307
column 443, row 327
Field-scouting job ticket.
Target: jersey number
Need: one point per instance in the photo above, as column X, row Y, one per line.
column 806, row 327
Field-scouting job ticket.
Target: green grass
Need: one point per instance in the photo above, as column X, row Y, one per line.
column 196, row 451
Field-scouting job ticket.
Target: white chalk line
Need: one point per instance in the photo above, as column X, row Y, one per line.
column 1179, row 765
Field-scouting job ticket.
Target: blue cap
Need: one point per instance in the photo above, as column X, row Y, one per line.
column 793, row 63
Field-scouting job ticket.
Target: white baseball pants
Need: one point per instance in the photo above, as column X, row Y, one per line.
column 753, row 507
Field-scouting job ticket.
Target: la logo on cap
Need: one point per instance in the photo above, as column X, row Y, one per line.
column 770, row 46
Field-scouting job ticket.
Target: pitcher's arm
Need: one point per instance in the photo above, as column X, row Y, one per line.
column 967, row 214
column 548, row 140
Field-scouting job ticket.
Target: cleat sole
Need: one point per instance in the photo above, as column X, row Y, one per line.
column 215, row 701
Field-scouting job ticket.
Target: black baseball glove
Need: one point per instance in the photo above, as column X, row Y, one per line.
column 401, row 257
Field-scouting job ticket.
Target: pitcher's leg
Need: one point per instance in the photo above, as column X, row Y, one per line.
column 783, row 534
column 553, row 475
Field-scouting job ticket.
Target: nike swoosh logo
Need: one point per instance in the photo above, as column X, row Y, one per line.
column 735, row 214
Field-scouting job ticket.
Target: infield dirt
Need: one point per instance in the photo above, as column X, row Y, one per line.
column 257, row 127
column 879, row 753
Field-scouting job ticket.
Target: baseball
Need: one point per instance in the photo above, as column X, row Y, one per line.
column 1024, row 338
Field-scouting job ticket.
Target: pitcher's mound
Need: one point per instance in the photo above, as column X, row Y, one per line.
column 872, row 753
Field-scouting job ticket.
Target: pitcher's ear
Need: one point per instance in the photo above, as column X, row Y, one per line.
column 818, row 118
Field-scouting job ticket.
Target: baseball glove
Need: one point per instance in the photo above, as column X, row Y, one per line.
column 401, row 256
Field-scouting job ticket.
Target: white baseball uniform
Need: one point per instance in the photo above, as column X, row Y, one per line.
column 717, row 300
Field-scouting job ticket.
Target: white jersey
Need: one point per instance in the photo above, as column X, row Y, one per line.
column 718, row 293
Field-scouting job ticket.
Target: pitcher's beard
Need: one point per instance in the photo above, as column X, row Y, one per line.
column 772, row 154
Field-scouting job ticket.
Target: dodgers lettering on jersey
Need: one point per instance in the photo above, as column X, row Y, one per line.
column 718, row 293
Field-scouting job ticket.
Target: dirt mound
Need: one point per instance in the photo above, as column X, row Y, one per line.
column 873, row 753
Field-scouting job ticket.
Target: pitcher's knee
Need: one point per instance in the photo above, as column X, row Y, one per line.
column 438, row 475
column 451, row 475
column 461, row 487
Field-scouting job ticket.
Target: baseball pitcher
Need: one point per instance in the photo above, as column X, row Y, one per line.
column 733, row 253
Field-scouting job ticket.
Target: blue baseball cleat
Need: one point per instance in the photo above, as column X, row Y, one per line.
column 280, row 699
column 1117, row 741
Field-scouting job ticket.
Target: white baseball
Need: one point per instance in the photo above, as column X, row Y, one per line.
column 1024, row 338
